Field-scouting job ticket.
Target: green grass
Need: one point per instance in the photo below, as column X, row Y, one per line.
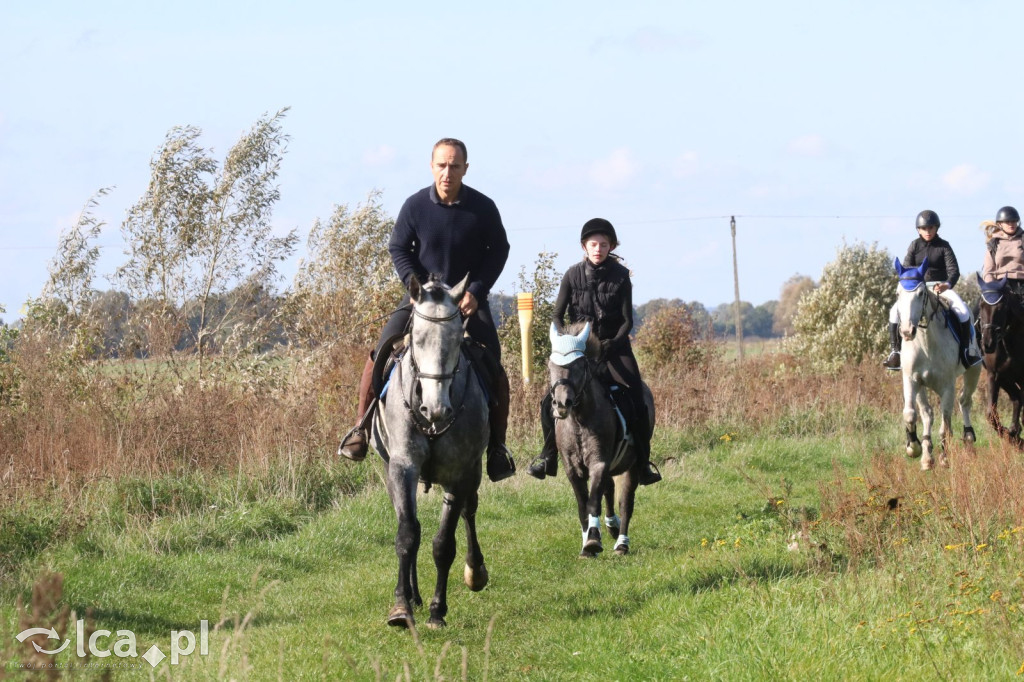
column 302, row 583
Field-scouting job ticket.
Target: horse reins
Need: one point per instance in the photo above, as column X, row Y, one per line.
column 577, row 392
column 432, row 430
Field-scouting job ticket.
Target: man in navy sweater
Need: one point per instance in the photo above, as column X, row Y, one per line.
column 449, row 229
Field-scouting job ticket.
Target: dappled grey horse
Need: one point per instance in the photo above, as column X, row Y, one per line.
column 590, row 437
column 930, row 360
column 433, row 427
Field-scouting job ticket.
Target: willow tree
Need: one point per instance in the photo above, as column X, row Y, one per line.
column 202, row 230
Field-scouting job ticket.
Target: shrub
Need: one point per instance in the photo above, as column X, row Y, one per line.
column 844, row 319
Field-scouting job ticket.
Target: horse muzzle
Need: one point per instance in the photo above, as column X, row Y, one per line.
column 908, row 332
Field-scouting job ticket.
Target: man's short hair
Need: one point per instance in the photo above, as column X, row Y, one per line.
column 451, row 142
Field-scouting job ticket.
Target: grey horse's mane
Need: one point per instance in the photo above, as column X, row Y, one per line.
column 593, row 343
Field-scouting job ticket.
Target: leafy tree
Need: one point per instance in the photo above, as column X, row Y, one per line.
column 202, row 230
column 844, row 319
column 793, row 289
column 672, row 334
column 347, row 284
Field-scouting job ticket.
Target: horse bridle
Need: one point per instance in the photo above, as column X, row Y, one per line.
column 577, row 392
column 428, row 429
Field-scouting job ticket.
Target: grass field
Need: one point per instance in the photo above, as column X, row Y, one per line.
column 296, row 581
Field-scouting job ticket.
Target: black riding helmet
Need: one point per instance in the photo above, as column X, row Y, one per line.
column 1007, row 214
column 928, row 219
column 599, row 226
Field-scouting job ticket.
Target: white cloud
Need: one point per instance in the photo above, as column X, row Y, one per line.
column 685, row 165
column 614, row 171
column 966, row 179
column 379, row 156
column 650, row 39
column 807, row 145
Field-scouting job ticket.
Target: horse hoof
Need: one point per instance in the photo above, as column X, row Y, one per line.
column 969, row 436
column 436, row 623
column 592, row 547
column 476, row 580
column 622, row 550
column 914, row 450
column 927, row 464
column 400, row 618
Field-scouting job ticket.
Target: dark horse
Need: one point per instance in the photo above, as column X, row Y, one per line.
column 591, row 438
column 433, row 427
column 1002, row 343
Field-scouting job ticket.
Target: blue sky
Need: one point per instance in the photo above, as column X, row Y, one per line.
column 812, row 122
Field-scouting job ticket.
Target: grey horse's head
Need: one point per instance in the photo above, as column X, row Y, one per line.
column 569, row 366
column 436, row 338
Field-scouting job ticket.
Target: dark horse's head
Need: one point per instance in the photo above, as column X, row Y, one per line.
column 995, row 313
column 572, row 354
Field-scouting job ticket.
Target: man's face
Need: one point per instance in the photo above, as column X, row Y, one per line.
column 448, row 167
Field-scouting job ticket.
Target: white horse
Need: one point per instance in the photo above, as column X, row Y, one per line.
column 930, row 360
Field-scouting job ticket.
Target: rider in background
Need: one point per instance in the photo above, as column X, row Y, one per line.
column 1004, row 255
column 942, row 275
column 598, row 290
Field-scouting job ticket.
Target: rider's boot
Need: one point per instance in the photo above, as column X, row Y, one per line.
column 546, row 463
column 642, row 442
column 500, row 464
column 354, row 444
column 893, row 361
column 966, row 356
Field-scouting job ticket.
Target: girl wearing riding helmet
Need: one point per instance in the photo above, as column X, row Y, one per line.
column 942, row 275
column 1004, row 256
column 598, row 290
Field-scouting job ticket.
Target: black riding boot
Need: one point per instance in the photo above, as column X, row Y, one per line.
column 893, row 361
column 966, row 357
column 500, row 464
column 642, row 443
column 546, row 464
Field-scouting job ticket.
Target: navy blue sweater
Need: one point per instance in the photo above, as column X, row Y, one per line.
column 450, row 240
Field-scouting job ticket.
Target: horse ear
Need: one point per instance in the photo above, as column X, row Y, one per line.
column 896, row 266
column 459, row 289
column 923, row 267
column 585, row 334
column 981, row 282
column 553, row 334
column 415, row 288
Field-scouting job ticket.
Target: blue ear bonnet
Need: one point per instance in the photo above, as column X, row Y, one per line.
column 566, row 348
column 910, row 278
column 991, row 292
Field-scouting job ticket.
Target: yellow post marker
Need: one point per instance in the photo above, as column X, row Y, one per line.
column 525, row 304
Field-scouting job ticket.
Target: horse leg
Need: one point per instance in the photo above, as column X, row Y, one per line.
column 1014, row 432
column 402, row 489
column 910, row 417
column 946, row 401
column 579, row 488
column 992, row 414
column 925, row 408
column 444, row 556
column 475, row 574
column 626, row 501
column 611, row 519
column 599, row 480
column 971, row 378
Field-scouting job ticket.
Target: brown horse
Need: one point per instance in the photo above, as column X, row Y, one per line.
column 1002, row 343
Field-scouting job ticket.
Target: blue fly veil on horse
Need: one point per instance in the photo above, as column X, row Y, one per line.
column 910, row 278
column 566, row 348
column 991, row 292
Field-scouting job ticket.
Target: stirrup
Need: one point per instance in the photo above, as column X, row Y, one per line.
column 500, row 464
column 543, row 466
column 355, row 451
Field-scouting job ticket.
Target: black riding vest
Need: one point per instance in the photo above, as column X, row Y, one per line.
column 596, row 295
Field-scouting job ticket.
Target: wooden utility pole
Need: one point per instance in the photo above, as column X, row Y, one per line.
column 736, row 283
